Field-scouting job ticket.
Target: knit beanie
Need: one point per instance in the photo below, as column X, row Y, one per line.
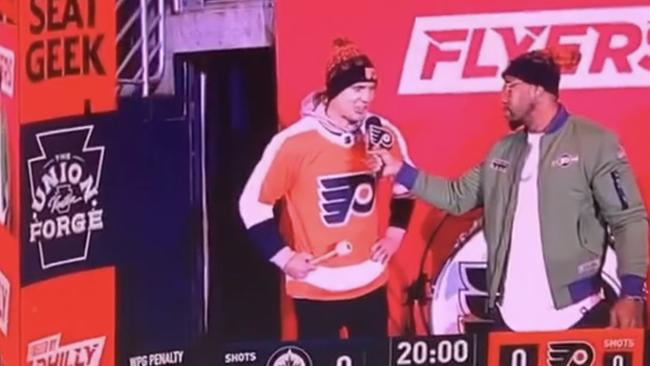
column 543, row 67
column 346, row 66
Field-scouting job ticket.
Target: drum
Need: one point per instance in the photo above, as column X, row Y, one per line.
column 460, row 290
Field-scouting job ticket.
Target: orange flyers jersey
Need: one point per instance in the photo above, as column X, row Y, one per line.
column 330, row 196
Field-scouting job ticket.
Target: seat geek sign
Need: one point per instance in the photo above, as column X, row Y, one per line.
column 76, row 54
column 67, row 45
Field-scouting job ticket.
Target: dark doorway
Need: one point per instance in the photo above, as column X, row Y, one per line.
column 240, row 117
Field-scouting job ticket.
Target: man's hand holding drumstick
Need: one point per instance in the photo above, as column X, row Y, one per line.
column 301, row 264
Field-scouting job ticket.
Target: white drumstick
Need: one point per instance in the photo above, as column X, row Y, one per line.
column 341, row 249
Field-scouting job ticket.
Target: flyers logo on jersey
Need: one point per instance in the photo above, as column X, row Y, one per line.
column 342, row 195
column 445, row 55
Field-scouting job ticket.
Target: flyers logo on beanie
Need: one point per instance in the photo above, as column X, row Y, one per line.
column 371, row 74
column 347, row 66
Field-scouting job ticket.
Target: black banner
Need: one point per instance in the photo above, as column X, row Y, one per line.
column 453, row 350
column 63, row 198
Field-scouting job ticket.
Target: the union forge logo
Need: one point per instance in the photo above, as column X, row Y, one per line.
column 64, row 180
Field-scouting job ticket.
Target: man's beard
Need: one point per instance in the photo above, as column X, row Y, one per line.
column 514, row 124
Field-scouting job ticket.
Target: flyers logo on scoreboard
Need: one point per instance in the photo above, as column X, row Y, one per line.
column 570, row 354
column 467, row 53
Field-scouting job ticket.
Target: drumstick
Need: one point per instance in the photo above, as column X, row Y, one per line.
column 341, row 249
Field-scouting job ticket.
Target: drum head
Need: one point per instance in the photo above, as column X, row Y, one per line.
column 460, row 290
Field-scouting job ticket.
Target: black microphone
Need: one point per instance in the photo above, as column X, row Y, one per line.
column 374, row 133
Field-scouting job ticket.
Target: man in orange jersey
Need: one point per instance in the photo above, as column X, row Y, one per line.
column 335, row 257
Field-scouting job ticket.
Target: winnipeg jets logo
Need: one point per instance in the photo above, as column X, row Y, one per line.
column 342, row 195
column 570, row 354
column 289, row 356
column 64, row 184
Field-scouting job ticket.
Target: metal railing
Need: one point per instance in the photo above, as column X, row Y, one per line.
column 181, row 5
column 141, row 43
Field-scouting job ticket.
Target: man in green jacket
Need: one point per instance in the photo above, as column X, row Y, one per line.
column 550, row 191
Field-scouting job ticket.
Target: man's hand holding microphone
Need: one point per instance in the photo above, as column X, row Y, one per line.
column 381, row 160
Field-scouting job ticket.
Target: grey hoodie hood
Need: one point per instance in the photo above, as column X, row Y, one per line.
column 313, row 106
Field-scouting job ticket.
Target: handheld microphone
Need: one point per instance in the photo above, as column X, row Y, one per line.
column 373, row 133
column 377, row 136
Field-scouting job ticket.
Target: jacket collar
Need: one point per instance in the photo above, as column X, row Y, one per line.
column 559, row 120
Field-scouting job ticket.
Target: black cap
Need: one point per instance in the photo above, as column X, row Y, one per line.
column 536, row 68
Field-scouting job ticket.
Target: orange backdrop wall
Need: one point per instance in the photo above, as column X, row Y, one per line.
column 439, row 64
